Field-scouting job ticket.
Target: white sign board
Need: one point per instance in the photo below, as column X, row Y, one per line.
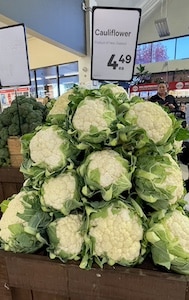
column 114, row 42
column 14, row 66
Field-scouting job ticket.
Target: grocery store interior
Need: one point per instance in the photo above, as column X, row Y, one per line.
column 94, row 195
column 59, row 53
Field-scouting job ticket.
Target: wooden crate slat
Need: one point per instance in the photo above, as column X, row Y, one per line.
column 118, row 283
column 37, row 275
column 5, row 292
column 52, row 280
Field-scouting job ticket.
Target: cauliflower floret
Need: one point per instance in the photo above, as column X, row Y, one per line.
column 115, row 89
column 58, row 190
column 174, row 179
column 109, row 167
column 117, row 235
column 168, row 238
column 10, row 217
column 61, row 193
column 178, row 227
column 69, row 240
column 61, row 104
column 152, row 118
column 106, row 171
column 93, row 114
column 158, row 180
column 45, row 148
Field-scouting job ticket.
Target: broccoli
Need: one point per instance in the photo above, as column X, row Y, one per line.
column 4, row 133
column 14, row 129
column 22, row 117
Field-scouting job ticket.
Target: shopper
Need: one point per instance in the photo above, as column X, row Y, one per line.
column 163, row 98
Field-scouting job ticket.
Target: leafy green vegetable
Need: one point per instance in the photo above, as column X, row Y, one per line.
column 22, row 226
column 158, row 180
column 168, row 235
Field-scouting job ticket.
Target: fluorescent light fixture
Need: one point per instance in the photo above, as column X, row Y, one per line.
column 71, row 73
column 38, row 78
column 50, row 77
column 162, row 27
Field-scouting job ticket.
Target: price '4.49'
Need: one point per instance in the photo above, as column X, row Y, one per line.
column 112, row 62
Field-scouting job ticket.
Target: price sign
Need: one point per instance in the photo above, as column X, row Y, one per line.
column 114, row 41
column 14, row 64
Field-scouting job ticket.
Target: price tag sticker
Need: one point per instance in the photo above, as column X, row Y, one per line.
column 114, row 42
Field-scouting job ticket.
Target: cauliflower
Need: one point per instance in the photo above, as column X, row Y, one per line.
column 23, row 223
column 97, row 166
column 168, row 235
column 65, row 237
column 92, row 119
column 158, row 180
column 49, row 148
column 106, row 171
column 152, row 118
column 117, row 232
column 115, row 91
column 57, row 114
column 61, row 193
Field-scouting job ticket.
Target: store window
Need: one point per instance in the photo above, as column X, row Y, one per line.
column 68, row 76
column 144, row 54
column 182, row 48
column 53, row 81
column 47, row 82
column 163, row 50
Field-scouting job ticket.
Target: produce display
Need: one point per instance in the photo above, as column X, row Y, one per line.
column 23, row 116
column 102, row 184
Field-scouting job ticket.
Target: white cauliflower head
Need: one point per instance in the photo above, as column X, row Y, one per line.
column 158, row 180
column 65, row 237
column 58, row 111
column 49, row 148
column 106, row 171
column 153, row 119
column 22, row 223
column 117, row 233
column 92, row 119
column 168, row 236
column 10, row 217
column 61, row 193
column 116, row 90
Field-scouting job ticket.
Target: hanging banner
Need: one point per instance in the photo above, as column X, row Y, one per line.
column 114, row 42
column 174, row 85
column 179, row 85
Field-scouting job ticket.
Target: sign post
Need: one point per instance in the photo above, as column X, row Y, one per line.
column 114, row 41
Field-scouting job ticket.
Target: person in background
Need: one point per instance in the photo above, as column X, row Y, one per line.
column 181, row 114
column 163, row 98
column 183, row 107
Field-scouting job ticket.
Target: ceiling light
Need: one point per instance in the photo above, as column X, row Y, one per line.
column 162, row 27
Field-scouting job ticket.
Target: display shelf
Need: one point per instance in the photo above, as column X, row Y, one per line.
column 36, row 277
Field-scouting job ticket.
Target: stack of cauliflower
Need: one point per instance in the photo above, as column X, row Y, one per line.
column 102, row 184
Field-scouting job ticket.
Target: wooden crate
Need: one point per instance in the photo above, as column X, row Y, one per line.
column 11, row 181
column 36, row 277
column 14, row 146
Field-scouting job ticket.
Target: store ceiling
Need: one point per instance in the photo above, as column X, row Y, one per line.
column 148, row 6
column 150, row 9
